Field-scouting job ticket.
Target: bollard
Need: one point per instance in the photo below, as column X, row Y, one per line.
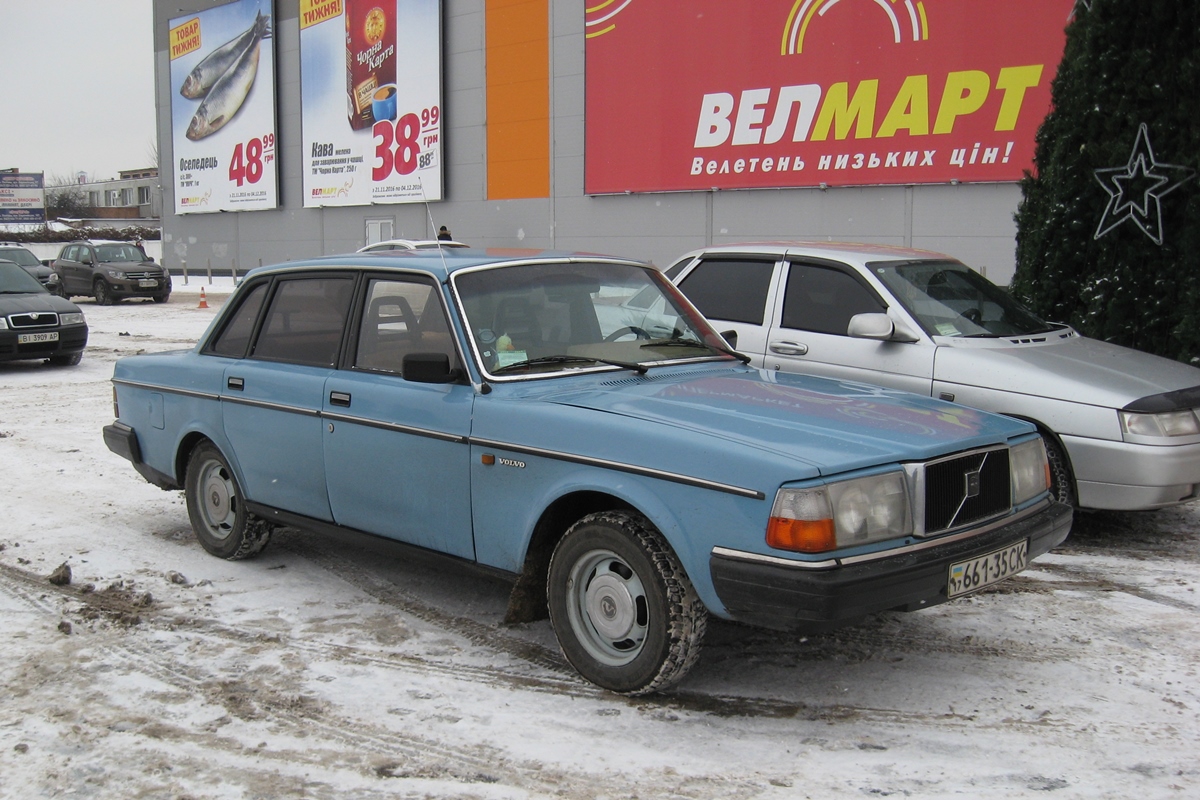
column 185, row 272
column 233, row 270
column 210, row 272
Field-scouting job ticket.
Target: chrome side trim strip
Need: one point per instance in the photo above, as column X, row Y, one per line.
column 245, row 401
column 153, row 387
column 674, row 477
column 775, row 561
column 395, row 427
column 740, row 555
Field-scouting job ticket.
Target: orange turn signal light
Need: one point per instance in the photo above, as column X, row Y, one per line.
column 801, row 535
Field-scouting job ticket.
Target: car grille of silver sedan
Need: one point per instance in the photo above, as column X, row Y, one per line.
column 966, row 488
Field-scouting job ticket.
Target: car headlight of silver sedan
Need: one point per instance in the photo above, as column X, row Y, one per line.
column 1165, row 423
column 843, row 514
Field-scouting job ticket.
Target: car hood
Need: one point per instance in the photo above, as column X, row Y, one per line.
column 832, row 425
column 35, row 302
column 1078, row 369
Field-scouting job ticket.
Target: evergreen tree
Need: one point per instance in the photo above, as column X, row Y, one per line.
column 1108, row 230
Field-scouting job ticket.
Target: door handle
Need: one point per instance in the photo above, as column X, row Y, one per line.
column 789, row 348
column 236, row 383
column 339, row 399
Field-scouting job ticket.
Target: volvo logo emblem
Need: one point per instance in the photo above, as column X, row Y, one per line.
column 972, row 483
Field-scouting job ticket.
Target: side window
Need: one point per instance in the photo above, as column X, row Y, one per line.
column 305, row 321
column 236, row 334
column 676, row 268
column 730, row 289
column 823, row 300
column 401, row 317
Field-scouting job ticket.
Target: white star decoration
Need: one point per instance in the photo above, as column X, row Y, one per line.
column 1136, row 189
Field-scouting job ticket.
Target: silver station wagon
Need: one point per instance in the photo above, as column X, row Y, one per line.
column 1120, row 426
column 628, row 472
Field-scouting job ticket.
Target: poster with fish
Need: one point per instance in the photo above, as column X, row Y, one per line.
column 371, row 101
column 223, row 108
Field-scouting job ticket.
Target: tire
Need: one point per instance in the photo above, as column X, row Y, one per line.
column 69, row 360
column 161, row 298
column 1062, row 484
column 217, row 509
column 625, row 614
column 103, row 293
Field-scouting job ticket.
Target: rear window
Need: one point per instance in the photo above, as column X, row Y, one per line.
column 733, row 290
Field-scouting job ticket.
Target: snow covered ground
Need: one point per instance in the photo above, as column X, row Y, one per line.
column 348, row 667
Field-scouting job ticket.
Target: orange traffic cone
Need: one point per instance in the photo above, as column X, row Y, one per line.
column 203, row 300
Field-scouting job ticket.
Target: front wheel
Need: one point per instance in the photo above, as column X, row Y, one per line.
column 1062, row 486
column 161, row 298
column 217, row 509
column 625, row 614
column 103, row 293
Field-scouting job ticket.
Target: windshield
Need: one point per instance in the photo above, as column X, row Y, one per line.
column 950, row 299
column 107, row 253
column 539, row 318
column 19, row 255
column 15, row 280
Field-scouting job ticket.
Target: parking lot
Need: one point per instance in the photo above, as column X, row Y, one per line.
column 348, row 666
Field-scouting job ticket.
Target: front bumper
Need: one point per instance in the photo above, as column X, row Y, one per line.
column 1126, row 476
column 71, row 339
column 789, row 595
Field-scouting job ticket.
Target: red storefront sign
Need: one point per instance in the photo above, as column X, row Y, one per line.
column 784, row 93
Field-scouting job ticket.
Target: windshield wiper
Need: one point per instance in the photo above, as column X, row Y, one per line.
column 533, row 362
column 679, row 342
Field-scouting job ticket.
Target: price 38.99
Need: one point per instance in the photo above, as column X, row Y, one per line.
column 398, row 146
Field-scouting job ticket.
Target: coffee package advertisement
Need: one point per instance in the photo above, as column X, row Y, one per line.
column 223, row 131
column 371, row 99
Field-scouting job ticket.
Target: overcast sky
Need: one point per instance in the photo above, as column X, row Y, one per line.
column 76, row 86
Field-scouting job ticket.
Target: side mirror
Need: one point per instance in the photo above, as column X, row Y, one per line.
column 86, row 259
column 731, row 339
column 150, row 259
column 428, row 368
column 879, row 327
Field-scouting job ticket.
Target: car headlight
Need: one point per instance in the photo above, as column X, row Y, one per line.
column 74, row 318
column 843, row 514
column 1167, row 423
column 3, row 324
column 115, row 274
column 52, row 277
column 1028, row 470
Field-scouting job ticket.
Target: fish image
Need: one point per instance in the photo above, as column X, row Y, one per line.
column 226, row 95
column 220, row 61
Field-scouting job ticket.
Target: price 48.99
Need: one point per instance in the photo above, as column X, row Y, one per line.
column 398, row 146
column 246, row 164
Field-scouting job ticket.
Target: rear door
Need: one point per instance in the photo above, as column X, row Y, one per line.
column 272, row 398
column 735, row 293
column 808, row 331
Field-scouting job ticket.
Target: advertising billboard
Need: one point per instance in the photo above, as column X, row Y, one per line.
column 22, row 197
column 787, row 93
column 223, row 109
column 371, row 101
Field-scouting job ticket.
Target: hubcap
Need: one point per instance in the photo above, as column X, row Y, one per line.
column 607, row 608
column 218, row 497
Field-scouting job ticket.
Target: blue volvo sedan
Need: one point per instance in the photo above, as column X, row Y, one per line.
column 573, row 422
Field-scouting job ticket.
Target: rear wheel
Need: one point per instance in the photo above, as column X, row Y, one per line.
column 625, row 614
column 103, row 293
column 217, row 509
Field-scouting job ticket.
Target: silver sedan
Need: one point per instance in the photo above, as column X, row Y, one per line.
column 1121, row 426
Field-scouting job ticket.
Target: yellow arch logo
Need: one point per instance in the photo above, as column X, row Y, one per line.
column 598, row 19
column 907, row 18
